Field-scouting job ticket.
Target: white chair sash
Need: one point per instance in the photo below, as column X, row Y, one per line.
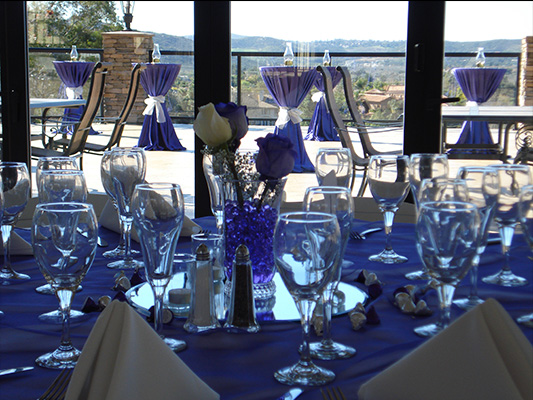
column 287, row 114
column 74, row 93
column 317, row 96
column 155, row 102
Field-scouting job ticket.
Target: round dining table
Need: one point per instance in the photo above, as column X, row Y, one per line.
column 240, row 366
column 157, row 132
column 321, row 127
column 478, row 85
column 73, row 75
column 289, row 86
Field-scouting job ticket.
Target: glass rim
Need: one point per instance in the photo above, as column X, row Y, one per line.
column 299, row 216
column 157, row 185
column 461, row 205
column 64, row 206
column 329, row 189
column 54, row 171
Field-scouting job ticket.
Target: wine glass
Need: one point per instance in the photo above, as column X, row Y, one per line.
column 127, row 169
column 307, row 249
column 388, row 178
column 525, row 210
column 107, row 183
column 483, row 190
column 446, row 240
column 158, row 213
column 424, row 166
column 334, row 200
column 512, row 178
column 64, row 245
column 334, row 167
column 55, row 186
column 17, row 188
column 216, row 194
column 52, row 163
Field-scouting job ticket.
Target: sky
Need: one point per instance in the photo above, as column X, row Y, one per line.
column 364, row 20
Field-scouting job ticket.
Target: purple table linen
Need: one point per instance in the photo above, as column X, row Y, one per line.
column 321, row 127
column 156, row 80
column 289, row 86
column 73, row 74
column 478, row 84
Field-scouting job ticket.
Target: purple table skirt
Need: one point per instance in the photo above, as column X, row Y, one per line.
column 241, row 366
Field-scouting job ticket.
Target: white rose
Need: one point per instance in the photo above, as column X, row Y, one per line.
column 210, row 127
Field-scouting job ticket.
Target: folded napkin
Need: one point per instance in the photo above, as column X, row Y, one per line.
column 481, row 355
column 124, row 358
column 109, row 219
column 18, row 246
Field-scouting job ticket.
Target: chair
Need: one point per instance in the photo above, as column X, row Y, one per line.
column 359, row 163
column 363, row 129
column 76, row 144
column 120, row 121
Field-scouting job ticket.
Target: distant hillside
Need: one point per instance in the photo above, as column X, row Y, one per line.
column 260, row 43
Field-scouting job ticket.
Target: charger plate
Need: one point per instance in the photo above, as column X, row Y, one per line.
column 280, row 307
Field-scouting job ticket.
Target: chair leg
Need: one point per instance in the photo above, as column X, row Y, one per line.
column 364, row 183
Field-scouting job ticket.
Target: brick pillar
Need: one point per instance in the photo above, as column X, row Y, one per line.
column 525, row 87
column 121, row 49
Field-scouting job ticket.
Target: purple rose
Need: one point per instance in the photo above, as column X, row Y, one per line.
column 276, row 156
column 236, row 116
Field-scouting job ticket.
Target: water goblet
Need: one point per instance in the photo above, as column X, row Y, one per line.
column 334, row 200
column 306, row 252
column 446, row 241
column 388, row 178
column 424, row 166
column 158, row 213
column 483, row 189
column 525, row 210
column 64, row 237
column 52, row 163
column 107, row 183
column 127, row 169
column 17, row 188
column 334, row 167
column 512, row 178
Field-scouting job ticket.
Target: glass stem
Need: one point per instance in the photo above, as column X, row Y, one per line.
column 158, row 309
column 126, row 223
column 506, row 233
column 6, row 239
column 473, row 278
column 306, row 311
column 65, row 300
column 388, row 219
column 445, row 292
column 327, row 306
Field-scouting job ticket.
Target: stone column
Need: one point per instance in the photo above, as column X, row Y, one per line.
column 525, row 87
column 121, row 49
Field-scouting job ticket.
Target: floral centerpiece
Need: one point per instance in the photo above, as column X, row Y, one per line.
column 252, row 185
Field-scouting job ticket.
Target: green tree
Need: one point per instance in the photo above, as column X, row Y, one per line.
column 79, row 23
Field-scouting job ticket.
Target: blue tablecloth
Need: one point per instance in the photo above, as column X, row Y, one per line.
column 73, row 75
column 321, row 127
column 478, row 85
column 241, row 366
column 157, row 132
column 289, row 86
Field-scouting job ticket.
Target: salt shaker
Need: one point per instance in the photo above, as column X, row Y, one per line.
column 202, row 313
column 326, row 60
column 480, row 58
column 288, row 56
column 241, row 313
column 156, row 54
column 73, row 53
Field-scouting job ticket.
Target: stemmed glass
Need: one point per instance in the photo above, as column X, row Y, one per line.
column 446, row 240
column 216, row 194
column 525, row 210
column 307, row 249
column 158, row 213
column 424, row 166
column 127, row 169
column 334, row 167
column 55, row 186
column 64, row 239
column 512, row 178
column 109, row 187
column 52, row 163
column 17, row 188
column 388, row 178
column 334, row 200
column 483, row 189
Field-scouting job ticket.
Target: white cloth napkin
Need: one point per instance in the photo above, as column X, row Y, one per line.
column 109, row 219
column 481, row 355
column 124, row 358
column 18, row 246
